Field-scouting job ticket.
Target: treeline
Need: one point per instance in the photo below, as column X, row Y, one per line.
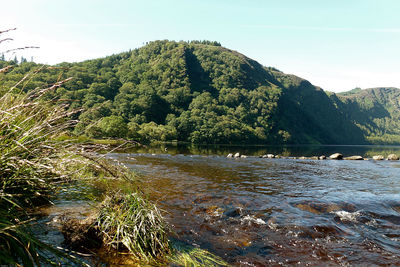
column 196, row 91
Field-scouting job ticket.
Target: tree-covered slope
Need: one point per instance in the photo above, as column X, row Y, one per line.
column 199, row 92
column 376, row 111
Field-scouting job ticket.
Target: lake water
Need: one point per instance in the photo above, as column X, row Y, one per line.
column 262, row 212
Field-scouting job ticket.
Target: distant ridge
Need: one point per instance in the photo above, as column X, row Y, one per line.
column 201, row 92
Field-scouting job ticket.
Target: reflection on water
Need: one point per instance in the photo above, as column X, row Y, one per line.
column 258, row 212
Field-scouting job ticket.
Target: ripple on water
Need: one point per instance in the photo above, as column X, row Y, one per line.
column 261, row 212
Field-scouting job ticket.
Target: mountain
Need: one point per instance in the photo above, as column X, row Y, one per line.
column 376, row 111
column 201, row 92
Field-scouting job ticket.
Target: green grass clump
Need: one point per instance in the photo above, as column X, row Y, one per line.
column 130, row 222
column 195, row 257
column 28, row 172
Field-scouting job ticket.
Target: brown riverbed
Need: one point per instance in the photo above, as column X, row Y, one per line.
column 262, row 212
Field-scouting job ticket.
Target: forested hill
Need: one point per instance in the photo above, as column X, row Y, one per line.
column 202, row 92
column 376, row 111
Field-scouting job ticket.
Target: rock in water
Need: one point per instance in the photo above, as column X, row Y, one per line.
column 393, row 157
column 243, row 156
column 322, row 157
column 230, row 155
column 378, row 157
column 336, row 156
column 270, row 156
column 237, row 155
column 354, row 158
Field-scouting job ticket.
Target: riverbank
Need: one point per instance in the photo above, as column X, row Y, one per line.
column 35, row 167
column 40, row 169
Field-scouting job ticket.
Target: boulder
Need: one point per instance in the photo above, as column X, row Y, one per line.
column 393, row 157
column 354, row 158
column 237, row 155
column 243, row 156
column 337, row 156
column 322, row 157
column 378, row 157
column 270, row 156
column 230, row 155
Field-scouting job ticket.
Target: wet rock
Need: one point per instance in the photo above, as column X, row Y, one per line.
column 230, row 155
column 270, row 156
column 243, row 156
column 314, row 157
column 336, row 156
column 302, row 157
column 322, row 157
column 378, row 157
column 235, row 212
column 318, row 208
column 211, row 229
column 237, row 155
column 81, row 235
column 354, row 158
column 393, row 157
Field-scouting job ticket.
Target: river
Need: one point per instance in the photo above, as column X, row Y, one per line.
column 261, row 212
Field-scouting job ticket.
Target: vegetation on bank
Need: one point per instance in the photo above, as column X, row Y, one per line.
column 201, row 92
column 36, row 162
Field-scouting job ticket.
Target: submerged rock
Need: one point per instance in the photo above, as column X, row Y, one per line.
column 336, row 156
column 354, row 158
column 235, row 212
column 378, row 157
column 81, row 235
column 318, row 208
column 393, row 157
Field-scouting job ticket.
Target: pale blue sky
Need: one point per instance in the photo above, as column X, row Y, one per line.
column 337, row 45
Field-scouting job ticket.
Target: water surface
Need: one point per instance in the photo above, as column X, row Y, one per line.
column 259, row 212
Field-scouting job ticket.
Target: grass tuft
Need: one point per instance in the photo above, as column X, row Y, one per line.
column 130, row 222
column 194, row 257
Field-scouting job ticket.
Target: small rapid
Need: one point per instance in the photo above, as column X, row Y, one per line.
column 262, row 212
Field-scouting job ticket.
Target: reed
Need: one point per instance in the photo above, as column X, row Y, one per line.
column 28, row 175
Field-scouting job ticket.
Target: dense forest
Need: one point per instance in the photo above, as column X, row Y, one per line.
column 201, row 92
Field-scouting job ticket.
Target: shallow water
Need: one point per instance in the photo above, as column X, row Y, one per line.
column 259, row 212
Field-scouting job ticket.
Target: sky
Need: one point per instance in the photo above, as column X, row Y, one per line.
column 335, row 44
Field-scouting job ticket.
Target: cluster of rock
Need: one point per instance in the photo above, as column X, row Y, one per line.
column 335, row 156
